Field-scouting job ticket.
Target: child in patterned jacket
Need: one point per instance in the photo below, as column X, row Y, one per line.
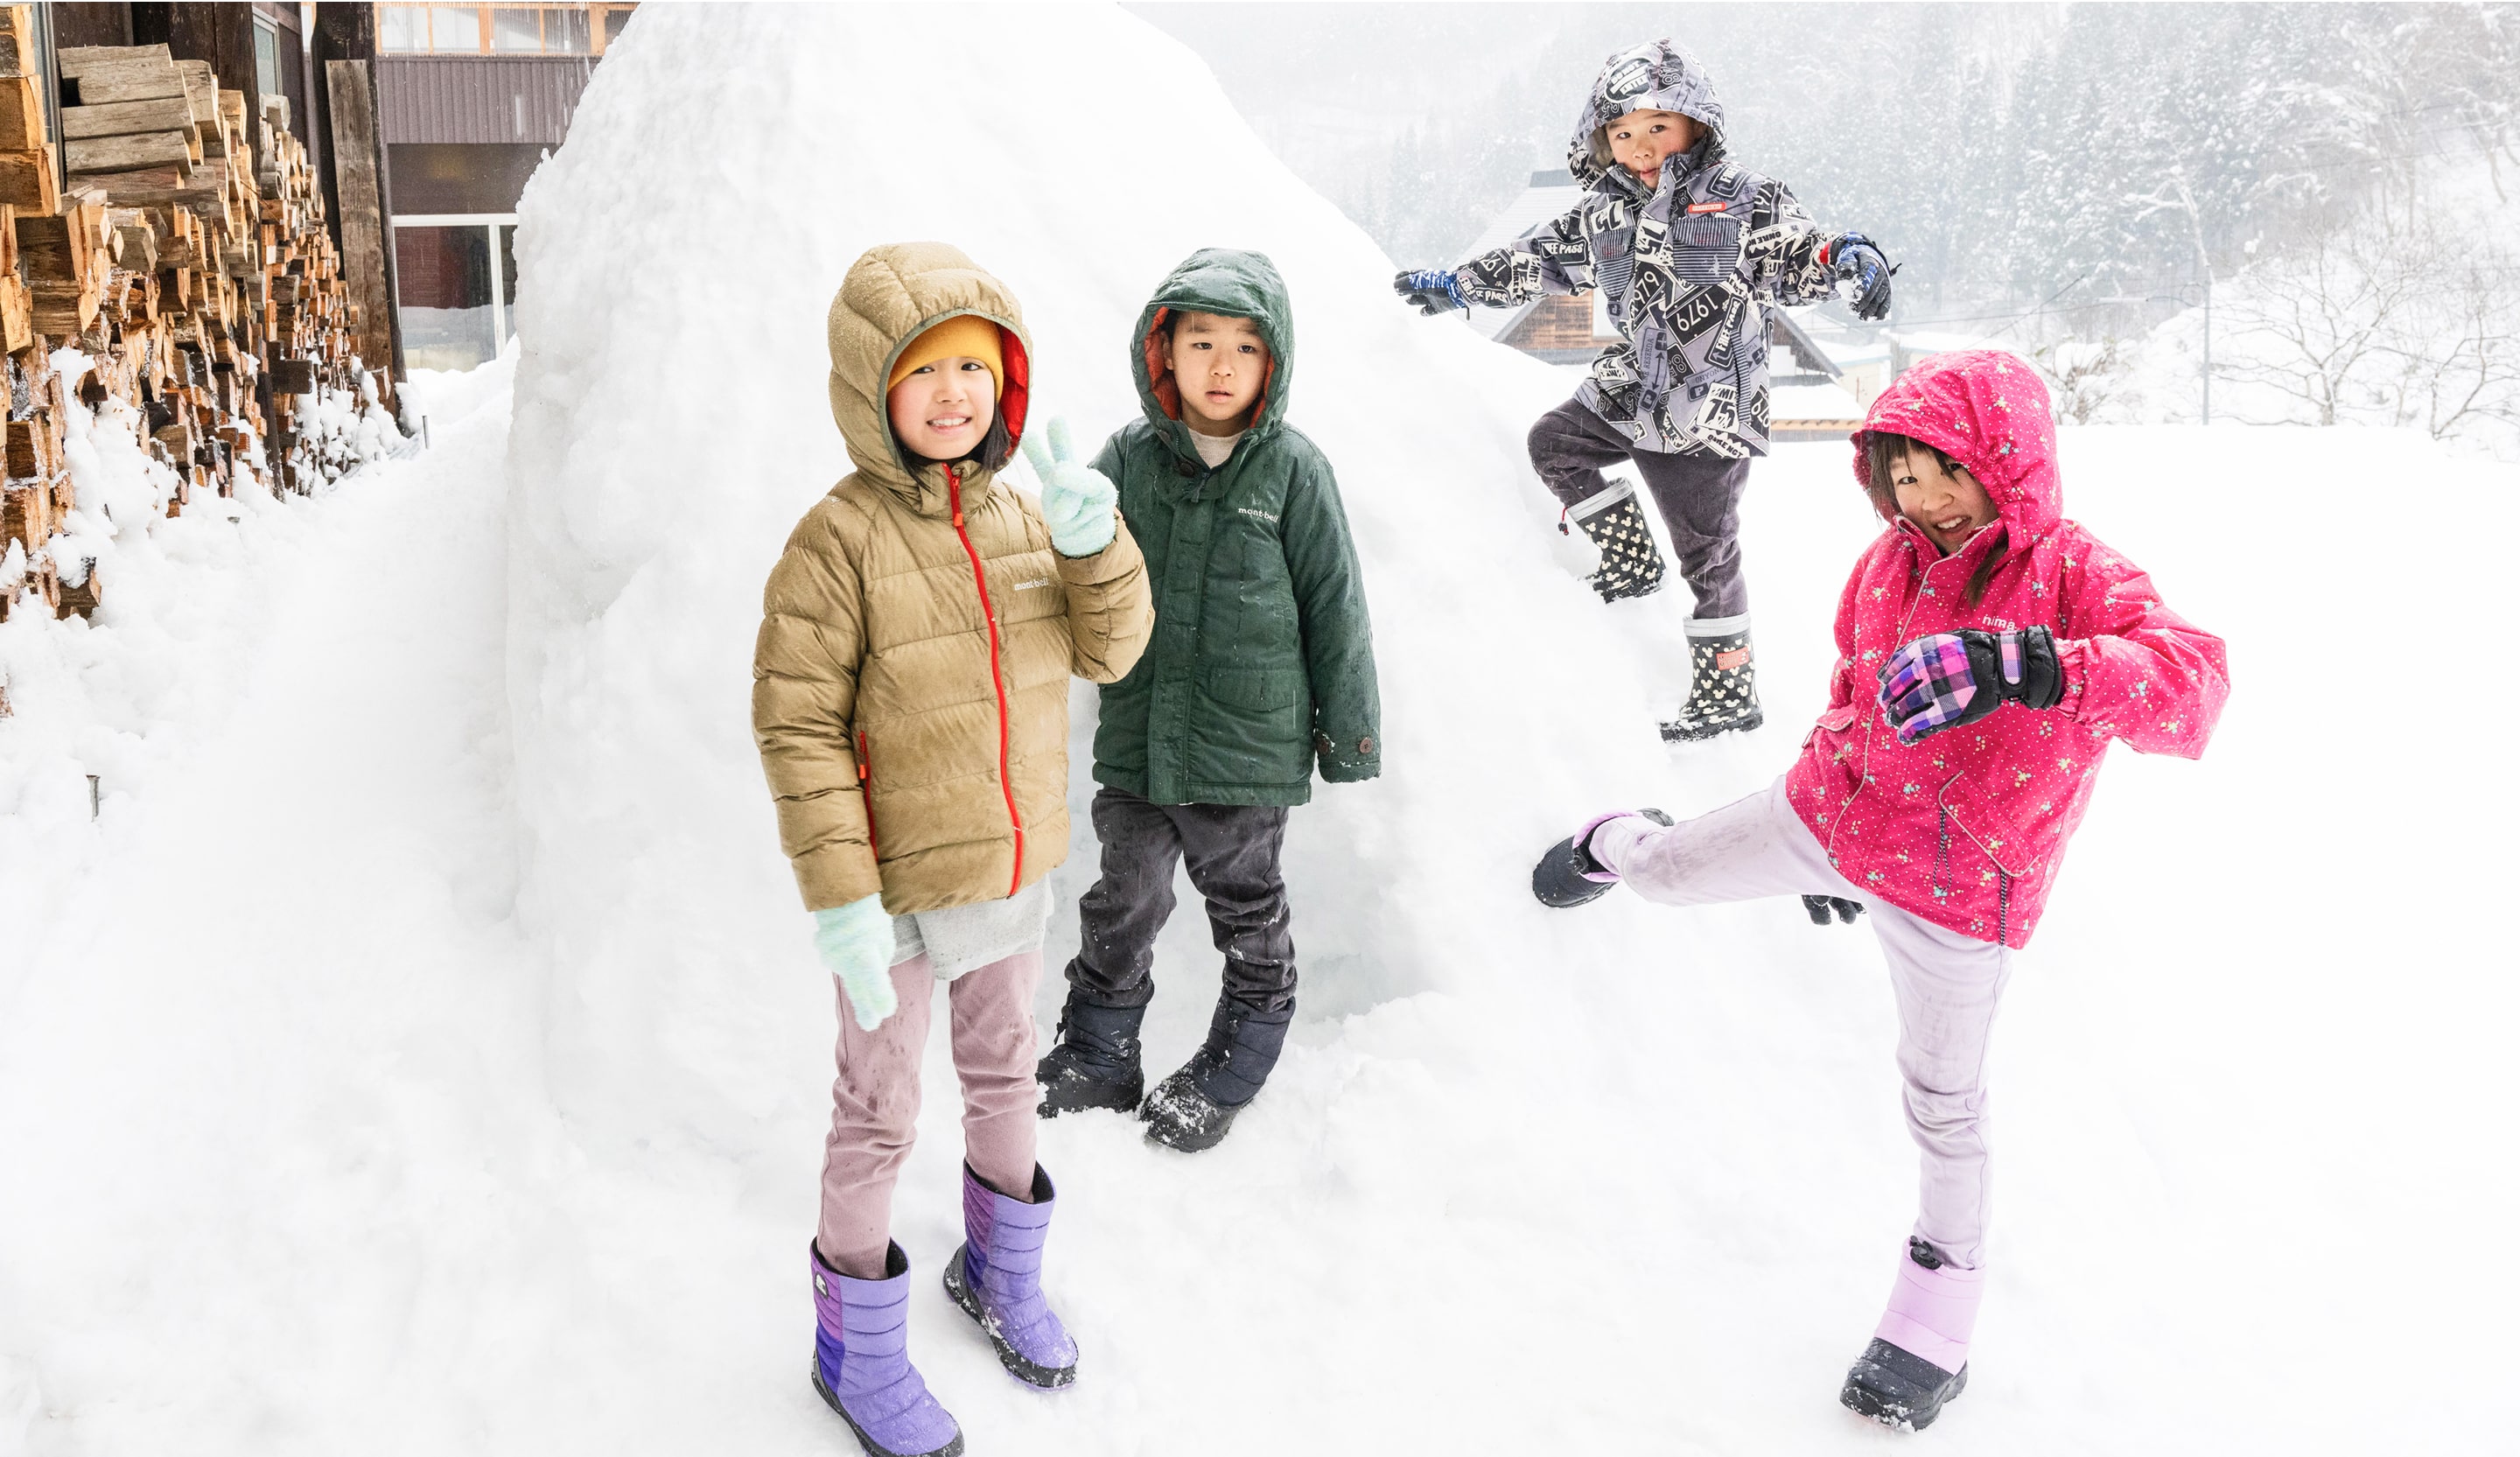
column 1690, row 249
column 2002, row 648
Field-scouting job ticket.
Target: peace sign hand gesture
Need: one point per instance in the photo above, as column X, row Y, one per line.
column 1076, row 500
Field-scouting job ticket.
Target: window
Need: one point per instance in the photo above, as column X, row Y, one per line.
column 266, row 57
column 515, row 27
column 549, row 29
column 455, row 27
column 455, row 278
column 402, row 29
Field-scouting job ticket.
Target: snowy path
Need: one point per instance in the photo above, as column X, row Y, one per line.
column 248, row 1095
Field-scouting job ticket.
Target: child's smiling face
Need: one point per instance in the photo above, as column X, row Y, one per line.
column 1639, row 141
column 941, row 410
column 1949, row 505
column 1219, row 364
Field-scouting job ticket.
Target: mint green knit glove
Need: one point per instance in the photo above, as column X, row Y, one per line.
column 1076, row 500
column 856, row 943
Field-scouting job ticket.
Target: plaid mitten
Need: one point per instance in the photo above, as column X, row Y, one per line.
column 1947, row 679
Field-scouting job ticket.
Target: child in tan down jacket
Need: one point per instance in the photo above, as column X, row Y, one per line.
column 910, row 702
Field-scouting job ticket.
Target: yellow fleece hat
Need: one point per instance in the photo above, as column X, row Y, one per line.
column 962, row 334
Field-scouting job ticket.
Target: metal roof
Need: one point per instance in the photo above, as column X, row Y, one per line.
column 480, row 98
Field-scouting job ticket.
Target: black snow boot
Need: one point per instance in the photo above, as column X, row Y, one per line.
column 1196, row 1107
column 1933, row 1305
column 1899, row 1390
column 1095, row 1062
column 1564, row 877
column 1723, row 684
column 1631, row 563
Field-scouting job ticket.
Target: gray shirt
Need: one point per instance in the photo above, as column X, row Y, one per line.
column 967, row 937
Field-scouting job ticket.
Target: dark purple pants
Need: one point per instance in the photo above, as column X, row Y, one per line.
column 1699, row 497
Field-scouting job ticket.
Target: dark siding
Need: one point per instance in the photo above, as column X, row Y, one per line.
column 480, row 99
column 437, row 177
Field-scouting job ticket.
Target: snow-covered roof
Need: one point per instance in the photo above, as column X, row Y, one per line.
column 1550, row 193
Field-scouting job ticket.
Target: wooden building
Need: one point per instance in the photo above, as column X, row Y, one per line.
column 473, row 98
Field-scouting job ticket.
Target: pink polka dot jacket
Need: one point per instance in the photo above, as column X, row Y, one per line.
column 1967, row 828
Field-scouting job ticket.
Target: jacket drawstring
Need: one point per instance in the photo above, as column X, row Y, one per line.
column 2002, row 906
column 1943, row 848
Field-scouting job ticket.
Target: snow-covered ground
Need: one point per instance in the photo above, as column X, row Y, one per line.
column 423, row 1051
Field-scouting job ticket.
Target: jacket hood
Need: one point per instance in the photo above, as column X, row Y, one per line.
column 1988, row 410
column 1215, row 281
column 891, row 295
column 1656, row 76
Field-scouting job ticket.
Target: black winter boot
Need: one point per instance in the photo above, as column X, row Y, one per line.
column 1563, row 878
column 1196, row 1107
column 1899, row 1390
column 1631, row 563
column 1095, row 1062
column 1722, row 685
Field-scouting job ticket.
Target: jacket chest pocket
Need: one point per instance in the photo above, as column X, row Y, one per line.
column 1614, row 261
column 1705, row 249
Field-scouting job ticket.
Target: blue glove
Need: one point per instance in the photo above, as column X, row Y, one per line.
column 1432, row 289
column 1859, row 261
column 1076, row 500
column 855, row 941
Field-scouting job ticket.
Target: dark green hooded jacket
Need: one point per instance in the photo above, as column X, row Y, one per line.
column 1262, row 656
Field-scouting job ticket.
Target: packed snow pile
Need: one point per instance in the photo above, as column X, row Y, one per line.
column 646, row 524
column 424, row 1051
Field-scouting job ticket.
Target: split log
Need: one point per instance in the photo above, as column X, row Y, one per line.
column 26, row 181
column 82, row 597
column 170, row 113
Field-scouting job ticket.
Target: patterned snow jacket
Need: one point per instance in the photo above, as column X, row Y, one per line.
column 1687, row 265
column 1967, row 828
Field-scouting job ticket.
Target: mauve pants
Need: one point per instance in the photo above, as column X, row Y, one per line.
column 1947, row 985
column 875, row 1102
column 1699, row 497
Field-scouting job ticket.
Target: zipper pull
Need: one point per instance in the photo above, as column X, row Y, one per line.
column 954, row 493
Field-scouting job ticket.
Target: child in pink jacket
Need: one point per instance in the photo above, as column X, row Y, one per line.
column 1989, row 651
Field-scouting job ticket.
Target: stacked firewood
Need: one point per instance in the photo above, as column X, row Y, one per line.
column 184, row 254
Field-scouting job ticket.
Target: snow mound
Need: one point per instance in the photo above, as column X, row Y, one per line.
column 670, row 428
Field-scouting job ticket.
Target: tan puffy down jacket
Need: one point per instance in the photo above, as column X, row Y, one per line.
column 910, row 682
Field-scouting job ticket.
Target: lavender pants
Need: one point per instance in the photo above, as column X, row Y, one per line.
column 1947, row 985
column 875, row 1102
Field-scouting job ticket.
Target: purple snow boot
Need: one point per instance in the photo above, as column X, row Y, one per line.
column 1918, row 1358
column 995, row 1278
column 862, row 1363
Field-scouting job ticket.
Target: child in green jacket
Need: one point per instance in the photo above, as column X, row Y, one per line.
column 1262, row 662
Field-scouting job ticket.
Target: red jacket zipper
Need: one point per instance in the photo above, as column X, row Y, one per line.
column 997, row 678
column 866, row 792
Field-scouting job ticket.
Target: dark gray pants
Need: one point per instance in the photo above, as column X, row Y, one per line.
column 1699, row 497
column 1232, row 851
